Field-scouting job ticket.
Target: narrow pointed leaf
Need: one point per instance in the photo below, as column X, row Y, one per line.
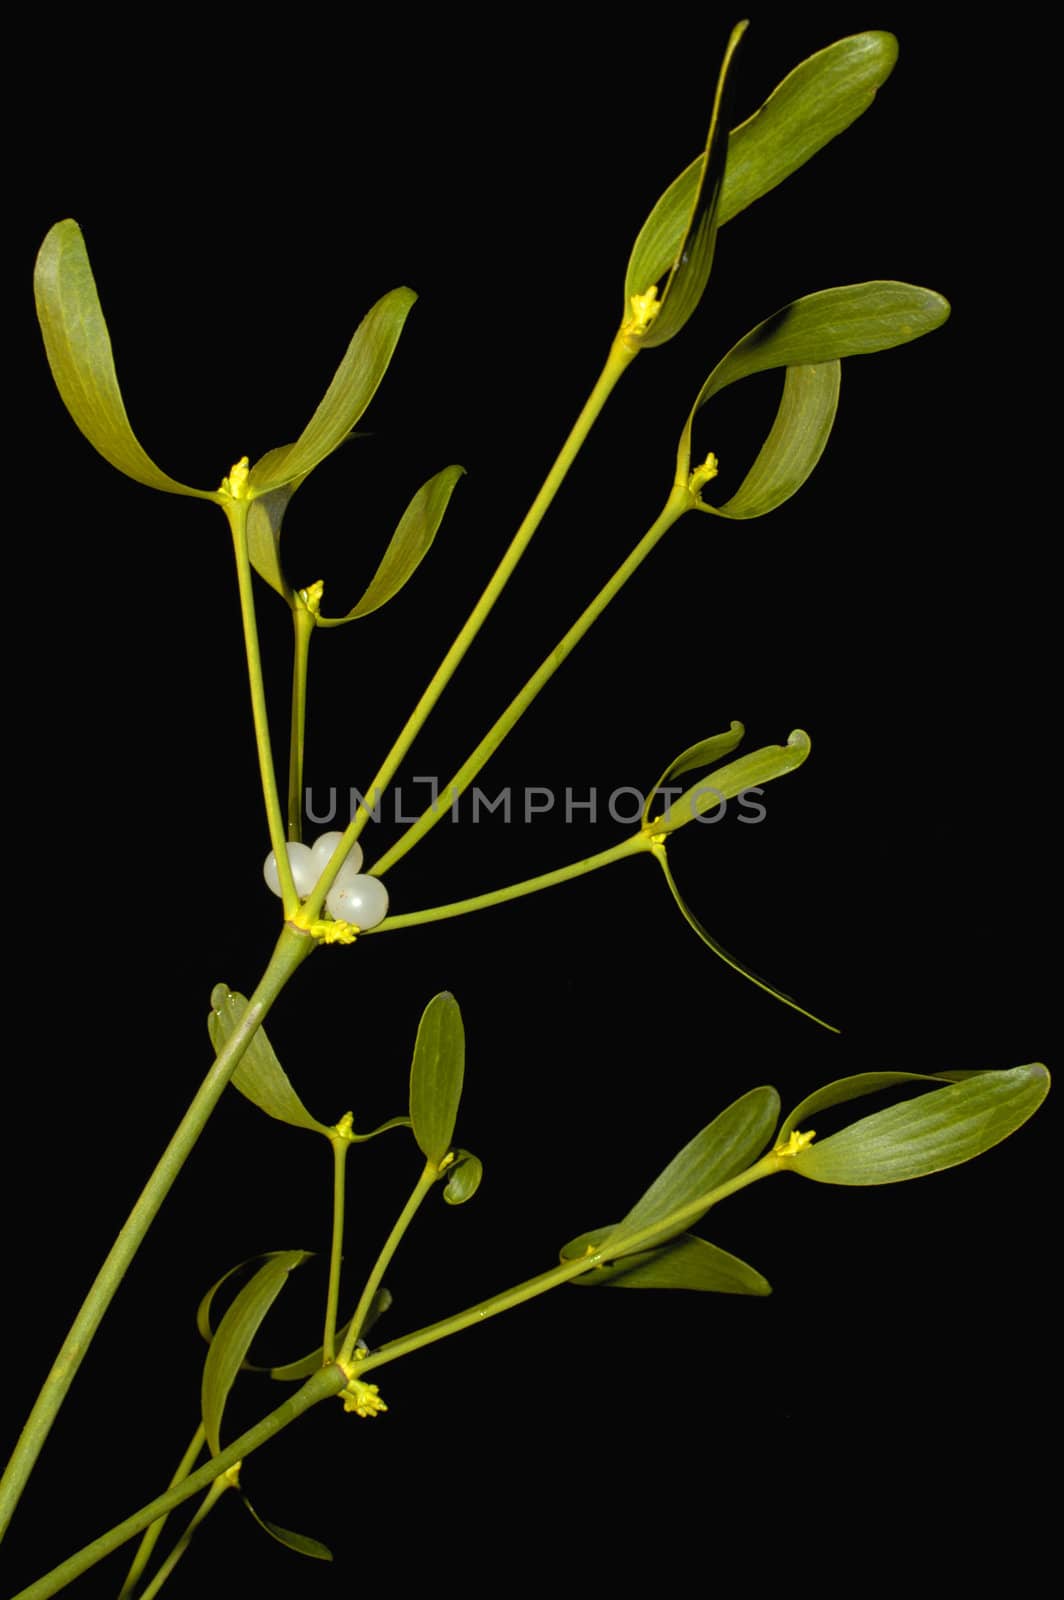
column 853, row 1088
column 795, row 444
column 686, row 1262
column 203, row 1310
column 409, row 545
column 689, row 271
column 726, row 783
column 731, row 1143
column 235, row 1332
column 939, row 1129
column 464, row 1178
column 812, row 105
column 79, row 354
column 436, row 1075
column 260, row 1077
column 719, row 950
column 702, row 754
column 350, row 392
column 293, row 1541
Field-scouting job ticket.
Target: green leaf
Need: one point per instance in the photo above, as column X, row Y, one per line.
column 265, row 516
column 749, row 772
column 463, row 1178
column 731, row 1143
column 686, row 1262
column 719, row 950
column 702, row 754
column 410, row 543
column 260, row 1077
column 854, row 320
column 235, row 1332
column 795, row 444
column 350, row 392
column 690, row 267
column 940, row 1129
column 853, row 1088
column 294, row 1541
column 436, row 1075
column 79, row 354
column 814, row 103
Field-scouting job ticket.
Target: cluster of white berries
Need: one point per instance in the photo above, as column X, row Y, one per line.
column 355, row 897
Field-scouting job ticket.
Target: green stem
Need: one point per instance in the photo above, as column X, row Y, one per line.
column 328, row 1381
column 634, row 845
column 237, row 512
column 211, row 1499
column 620, row 357
column 428, row 1177
column 292, row 948
column 678, row 502
column 151, row 1537
column 340, row 1147
column 304, row 628
column 562, row 1274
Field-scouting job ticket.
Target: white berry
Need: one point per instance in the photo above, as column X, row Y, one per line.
column 359, row 899
column 321, row 851
column 304, row 873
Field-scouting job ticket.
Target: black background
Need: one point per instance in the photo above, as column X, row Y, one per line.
column 244, row 201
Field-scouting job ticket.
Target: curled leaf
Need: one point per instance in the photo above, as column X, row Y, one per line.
column 236, row 1330
column 464, row 1178
column 748, row 772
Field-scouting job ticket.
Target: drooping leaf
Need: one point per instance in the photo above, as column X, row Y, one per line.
column 260, row 1077
column 686, row 1262
column 350, row 392
column 410, row 543
column 852, row 1088
column 719, row 950
column 815, row 102
column 939, row 1129
column 700, row 755
column 691, row 265
column 235, row 1332
column 293, row 1541
column 436, row 1074
column 726, row 783
column 731, row 1143
column 794, row 445
column 464, row 1178
column 79, row 354
column 856, row 319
